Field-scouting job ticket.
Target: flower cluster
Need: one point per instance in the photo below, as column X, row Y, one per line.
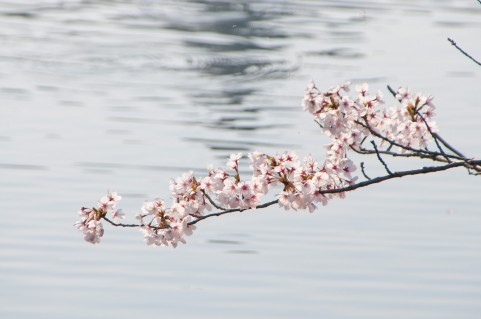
column 166, row 226
column 300, row 184
column 89, row 223
column 349, row 121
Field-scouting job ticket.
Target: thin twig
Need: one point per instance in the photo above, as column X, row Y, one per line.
column 390, row 89
column 212, row 201
column 429, row 154
column 122, row 225
column 380, row 158
column 363, row 172
column 393, row 143
column 452, row 149
column 424, row 170
column 233, row 210
column 437, row 157
column 433, row 136
column 464, row 52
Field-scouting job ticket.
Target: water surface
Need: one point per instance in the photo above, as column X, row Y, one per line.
column 124, row 95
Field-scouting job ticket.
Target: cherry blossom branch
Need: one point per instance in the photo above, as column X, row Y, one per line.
column 435, row 135
column 424, row 170
column 122, row 224
column 212, row 202
column 368, row 182
column 390, row 141
column 448, row 146
column 421, row 153
column 433, row 157
column 403, row 132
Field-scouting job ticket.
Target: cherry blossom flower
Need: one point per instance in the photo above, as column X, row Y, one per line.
column 233, row 161
column 118, row 215
column 299, row 183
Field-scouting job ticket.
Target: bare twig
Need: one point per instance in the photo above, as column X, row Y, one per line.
column 433, row 157
column 233, row 210
column 212, row 202
column 380, row 158
column 122, row 225
column 363, row 171
column 390, row 89
column 452, row 149
column 434, row 136
column 464, row 52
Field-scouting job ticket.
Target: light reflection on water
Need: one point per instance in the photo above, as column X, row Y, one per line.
column 124, row 95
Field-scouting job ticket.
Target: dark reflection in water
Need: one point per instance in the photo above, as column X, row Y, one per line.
column 230, row 18
column 236, row 45
column 235, row 51
column 346, row 53
column 227, row 44
column 10, row 166
column 229, row 145
column 230, row 96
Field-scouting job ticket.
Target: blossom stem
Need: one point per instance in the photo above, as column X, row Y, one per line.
column 233, row 210
column 424, row 170
column 380, row 158
column 464, row 52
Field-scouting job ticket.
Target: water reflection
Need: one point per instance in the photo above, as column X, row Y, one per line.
column 227, row 43
column 227, row 18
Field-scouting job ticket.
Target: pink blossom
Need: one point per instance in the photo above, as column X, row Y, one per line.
column 117, row 215
column 233, row 161
column 300, row 183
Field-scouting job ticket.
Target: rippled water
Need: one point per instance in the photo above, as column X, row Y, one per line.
column 123, row 95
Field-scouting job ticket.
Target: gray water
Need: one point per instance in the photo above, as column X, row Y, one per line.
column 124, row 95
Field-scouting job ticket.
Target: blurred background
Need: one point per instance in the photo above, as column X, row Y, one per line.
column 124, row 95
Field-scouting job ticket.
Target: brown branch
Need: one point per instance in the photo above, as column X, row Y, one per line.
column 390, row 89
column 233, row 210
column 464, row 52
column 380, row 158
column 363, row 171
column 424, row 170
column 122, row 225
column 391, row 175
column 448, row 146
column 434, row 157
column 421, row 153
column 434, row 137
column 391, row 142
column 212, row 201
